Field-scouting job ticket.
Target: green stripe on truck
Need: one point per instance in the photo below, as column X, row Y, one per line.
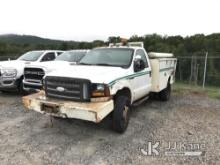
column 136, row 75
column 164, row 69
column 129, row 77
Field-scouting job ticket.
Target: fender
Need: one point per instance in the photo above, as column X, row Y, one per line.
column 19, row 74
column 119, row 85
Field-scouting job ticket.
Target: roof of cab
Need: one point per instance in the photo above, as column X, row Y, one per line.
column 132, row 45
column 47, row 51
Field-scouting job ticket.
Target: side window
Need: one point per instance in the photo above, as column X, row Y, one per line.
column 79, row 56
column 143, row 56
column 59, row 53
column 48, row 57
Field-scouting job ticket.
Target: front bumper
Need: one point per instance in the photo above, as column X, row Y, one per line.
column 32, row 86
column 8, row 83
column 90, row 111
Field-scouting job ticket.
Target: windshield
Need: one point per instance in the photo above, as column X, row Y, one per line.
column 71, row 56
column 109, row 57
column 31, row 56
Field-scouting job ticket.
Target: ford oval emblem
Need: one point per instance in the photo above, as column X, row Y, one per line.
column 60, row 89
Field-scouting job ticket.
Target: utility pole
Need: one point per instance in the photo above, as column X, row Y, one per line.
column 204, row 76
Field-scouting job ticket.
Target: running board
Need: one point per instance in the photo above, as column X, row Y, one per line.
column 140, row 101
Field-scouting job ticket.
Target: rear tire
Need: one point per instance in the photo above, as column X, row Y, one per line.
column 121, row 114
column 164, row 95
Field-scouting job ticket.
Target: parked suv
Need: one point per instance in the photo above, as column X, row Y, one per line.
column 34, row 73
column 11, row 72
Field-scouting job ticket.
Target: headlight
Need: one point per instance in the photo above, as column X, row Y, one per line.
column 8, row 72
column 100, row 90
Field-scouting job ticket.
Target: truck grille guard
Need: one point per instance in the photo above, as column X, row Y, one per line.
column 33, row 77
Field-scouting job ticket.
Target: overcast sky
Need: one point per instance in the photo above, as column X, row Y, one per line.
column 87, row 20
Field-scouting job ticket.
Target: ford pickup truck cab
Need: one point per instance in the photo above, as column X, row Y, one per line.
column 107, row 80
column 34, row 73
column 11, row 72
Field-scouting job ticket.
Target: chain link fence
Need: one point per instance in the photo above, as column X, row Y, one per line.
column 191, row 69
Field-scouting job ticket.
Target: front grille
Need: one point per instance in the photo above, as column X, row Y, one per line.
column 67, row 88
column 34, row 75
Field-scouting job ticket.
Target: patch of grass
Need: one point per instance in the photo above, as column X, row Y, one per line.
column 212, row 92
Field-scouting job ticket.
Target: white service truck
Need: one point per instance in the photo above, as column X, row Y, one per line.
column 108, row 80
column 34, row 73
column 12, row 72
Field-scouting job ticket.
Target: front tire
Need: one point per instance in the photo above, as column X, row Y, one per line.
column 20, row 87
column 164, row 95
column 121, row 114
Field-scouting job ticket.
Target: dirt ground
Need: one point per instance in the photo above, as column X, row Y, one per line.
column 27, row 137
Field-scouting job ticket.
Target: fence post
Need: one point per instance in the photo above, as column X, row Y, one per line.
column 197, row 73
column 204, row 75
column 191, row 72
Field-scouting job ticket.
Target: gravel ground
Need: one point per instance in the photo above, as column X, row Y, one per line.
column 27, row 137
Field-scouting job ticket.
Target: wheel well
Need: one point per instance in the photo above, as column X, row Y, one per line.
column 19, row 80
column 168, row 82
column 124, row 92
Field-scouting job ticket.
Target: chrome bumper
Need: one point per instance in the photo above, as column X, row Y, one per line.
column 32, row 86
column 8, row 83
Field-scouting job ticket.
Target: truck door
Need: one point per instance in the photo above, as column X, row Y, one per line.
column 142, row 78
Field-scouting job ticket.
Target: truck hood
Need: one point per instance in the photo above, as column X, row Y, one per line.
column 17, row 64
column 96, row 74
column 50, row 65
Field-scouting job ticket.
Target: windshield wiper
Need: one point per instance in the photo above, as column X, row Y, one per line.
column 106, row 64
column 73, row 63
column 26, row 60
column 82, row 63
column 103, row 64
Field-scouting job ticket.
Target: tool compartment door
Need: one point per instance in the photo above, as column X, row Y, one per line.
column 162, row 70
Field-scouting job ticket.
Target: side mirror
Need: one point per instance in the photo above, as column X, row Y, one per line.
column 138, row 64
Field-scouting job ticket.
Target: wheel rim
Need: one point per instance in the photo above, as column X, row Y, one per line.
column 125, row 113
